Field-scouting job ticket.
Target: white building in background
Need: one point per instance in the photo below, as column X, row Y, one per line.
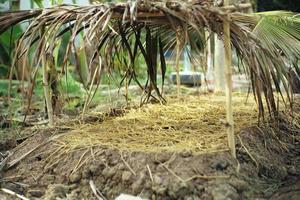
column 5, row 6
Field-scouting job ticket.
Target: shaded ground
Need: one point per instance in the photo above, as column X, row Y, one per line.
column 268, row 160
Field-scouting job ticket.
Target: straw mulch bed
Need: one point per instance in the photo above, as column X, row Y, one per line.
column 159, row 151
column 192, row 123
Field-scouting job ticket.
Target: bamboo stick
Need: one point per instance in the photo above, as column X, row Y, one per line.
column 209, row 59
column 228, row 87
column 47, row 91
column 178, row 52
column 126, row 88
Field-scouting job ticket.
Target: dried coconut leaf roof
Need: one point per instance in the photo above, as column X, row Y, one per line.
column 191, row 123
column 122, row 32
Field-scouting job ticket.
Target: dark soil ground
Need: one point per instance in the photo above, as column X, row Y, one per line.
column 267, row 167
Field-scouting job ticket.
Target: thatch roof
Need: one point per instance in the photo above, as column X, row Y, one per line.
column 125, row 30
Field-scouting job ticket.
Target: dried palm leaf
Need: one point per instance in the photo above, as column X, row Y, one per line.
column 264, row 42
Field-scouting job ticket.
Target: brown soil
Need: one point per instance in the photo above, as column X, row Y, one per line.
column 266, row 168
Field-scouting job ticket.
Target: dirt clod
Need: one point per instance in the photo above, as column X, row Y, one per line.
column 95, row 169
column 186, row 153
column 109, row 172
column 126, row 175
column 75, row 178
column 221, row 165
column 8, row 144
column 36, row 193
column 224, row 191
column 56, row 191
column 139, row 183
column 239, row 185
column 157, row 179
column 293, row 170
column 49, row 179
column 86, row 173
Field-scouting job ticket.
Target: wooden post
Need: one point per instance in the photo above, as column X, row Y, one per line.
column 228, row 88
column 209, row 56
column 178, row 54
column 47, row 90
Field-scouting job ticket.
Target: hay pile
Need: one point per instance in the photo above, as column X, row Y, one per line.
column 193, row 123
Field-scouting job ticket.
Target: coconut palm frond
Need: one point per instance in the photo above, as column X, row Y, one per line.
column 277, row 35
column 278, row 31
column 110, row 29
column 9, row 19
column 123, row 32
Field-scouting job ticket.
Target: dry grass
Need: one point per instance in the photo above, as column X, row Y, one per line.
column 191, row 123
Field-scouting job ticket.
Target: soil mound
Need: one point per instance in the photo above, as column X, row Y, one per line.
column 91, row 161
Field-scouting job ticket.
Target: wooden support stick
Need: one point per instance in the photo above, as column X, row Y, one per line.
column 47, row 90
column 228, row 88
column 209, row 57
column 178, row 53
